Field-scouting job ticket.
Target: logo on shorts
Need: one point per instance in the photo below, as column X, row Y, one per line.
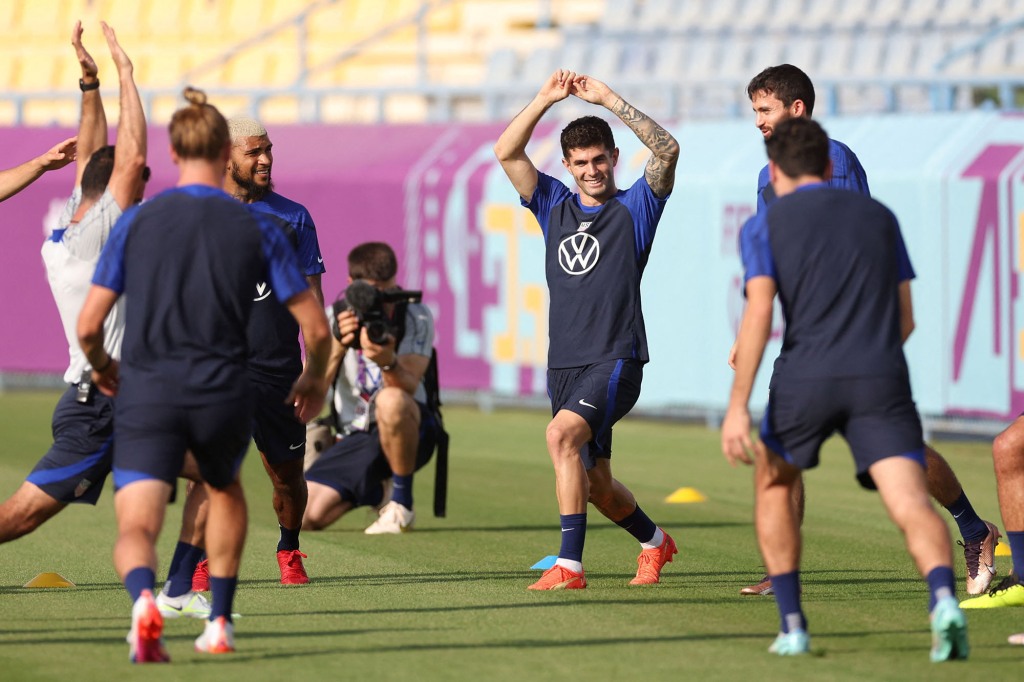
column 262, row 291
column 82, row 486
column 579, row 253
column 584, row 403
column 296, row 446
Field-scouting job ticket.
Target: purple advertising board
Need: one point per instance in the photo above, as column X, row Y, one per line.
column 360, row 183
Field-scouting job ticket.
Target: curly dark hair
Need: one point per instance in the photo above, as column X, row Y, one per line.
column 786, row 82
column 587, row 131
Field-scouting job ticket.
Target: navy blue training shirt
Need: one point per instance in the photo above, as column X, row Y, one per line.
column 595, row 260
column 186, row 262
column 274, row 350
column 835, row 258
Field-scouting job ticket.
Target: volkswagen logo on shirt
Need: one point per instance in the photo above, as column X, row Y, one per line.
column 262, row 291
column 578, row 253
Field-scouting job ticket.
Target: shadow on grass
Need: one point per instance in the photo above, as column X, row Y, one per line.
column 597, row 528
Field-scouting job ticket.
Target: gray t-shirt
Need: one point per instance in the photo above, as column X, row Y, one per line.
column 359, row 378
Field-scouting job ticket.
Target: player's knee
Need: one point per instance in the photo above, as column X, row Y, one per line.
column 1008, row 449
column 561, row 440
column 393, row 405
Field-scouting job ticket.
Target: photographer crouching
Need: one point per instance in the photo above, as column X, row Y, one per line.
column 383, row 340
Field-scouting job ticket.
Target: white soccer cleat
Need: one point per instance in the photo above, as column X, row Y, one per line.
column 393, row 520
column 190, row 604
column 217, row 638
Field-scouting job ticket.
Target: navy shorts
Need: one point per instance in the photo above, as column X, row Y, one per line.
column 278, row 434
column 77, row 464
column 876, row 416
column 602, row 393
column 355, row 466
column 152, row 440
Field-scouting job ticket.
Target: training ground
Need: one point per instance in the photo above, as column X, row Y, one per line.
column 448, row 601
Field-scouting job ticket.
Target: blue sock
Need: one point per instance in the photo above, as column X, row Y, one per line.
column 183, row 565
column 1015, row 539
column 574, row 533
column 402, row 492
column 639, row 525
column 223, row 590
column 289, row 539
column 787, row 598
column 941, row 583
column 967, row 520
column 139, row 579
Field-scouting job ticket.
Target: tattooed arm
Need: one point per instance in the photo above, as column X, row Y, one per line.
column 661, row 168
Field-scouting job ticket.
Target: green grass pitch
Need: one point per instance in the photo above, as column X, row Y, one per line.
column 448, row 600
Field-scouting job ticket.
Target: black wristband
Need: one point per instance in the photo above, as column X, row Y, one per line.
column 100, row 370
column 85, row 87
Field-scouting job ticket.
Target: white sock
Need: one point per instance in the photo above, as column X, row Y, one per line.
column 575, row 566
column 655, row 542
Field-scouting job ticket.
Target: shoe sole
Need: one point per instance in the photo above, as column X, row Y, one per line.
column 565, row 585
column 953, row 644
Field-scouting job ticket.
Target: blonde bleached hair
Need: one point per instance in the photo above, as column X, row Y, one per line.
column 244, row 126
column 198, row 130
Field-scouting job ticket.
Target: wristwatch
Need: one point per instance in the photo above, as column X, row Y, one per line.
column 85, row 87
column 390, row 366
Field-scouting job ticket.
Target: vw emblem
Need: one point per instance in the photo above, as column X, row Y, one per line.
column 578, row 253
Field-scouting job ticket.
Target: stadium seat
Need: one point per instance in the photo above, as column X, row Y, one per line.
column 920, row 14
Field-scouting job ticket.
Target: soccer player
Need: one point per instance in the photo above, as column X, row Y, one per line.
column 778, row 94
column 1008, row 458
column 386, row 429
column 13, row 180
column 597, row 243
column 274, row 362
column 185, row 262
column 107, row 181
column 833, row 257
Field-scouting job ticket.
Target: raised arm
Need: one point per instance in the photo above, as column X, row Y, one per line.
column 130, row 150
column 511, row 146
column 92, row 123
column 661, row 168
column 13, row 180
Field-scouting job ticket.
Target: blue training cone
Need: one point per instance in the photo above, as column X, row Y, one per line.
column 545, row 563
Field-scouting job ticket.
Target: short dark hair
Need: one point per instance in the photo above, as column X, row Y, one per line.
column 373, row 260
column 799, row 146
column 587, row 131
column 786, row 82
column 96, row 175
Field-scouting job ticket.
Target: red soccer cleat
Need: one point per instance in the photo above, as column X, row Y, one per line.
column 560, row 578
column 651, row 561
column 292, row 570
column 201, row 577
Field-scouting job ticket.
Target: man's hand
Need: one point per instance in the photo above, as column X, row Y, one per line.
column 107, row 380
column 736, row 444
column 89, row 70
column 59, row 155
column 557, row 87
column 348, row 326
column 591, row 90
column 116, row 52
column 732, row 355
column 380, row 354
column 307, row 395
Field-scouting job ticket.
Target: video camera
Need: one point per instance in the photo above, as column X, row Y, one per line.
column 367, row 302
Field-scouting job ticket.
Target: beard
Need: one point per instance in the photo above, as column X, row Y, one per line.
column 250, row 191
